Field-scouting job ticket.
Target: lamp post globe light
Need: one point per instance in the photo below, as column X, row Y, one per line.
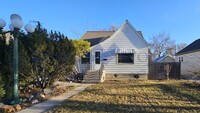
column 15, row 26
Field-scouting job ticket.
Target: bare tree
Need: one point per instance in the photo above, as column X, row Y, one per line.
column 160, row 43
column 112, row 27
column 168, row 68
column 180, row 46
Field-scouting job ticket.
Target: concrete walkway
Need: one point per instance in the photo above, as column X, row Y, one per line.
column 41, row 107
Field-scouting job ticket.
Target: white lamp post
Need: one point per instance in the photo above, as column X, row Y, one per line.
column 16, row 25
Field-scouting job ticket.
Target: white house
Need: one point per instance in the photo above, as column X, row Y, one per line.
column 189, row 58
column 123, row 53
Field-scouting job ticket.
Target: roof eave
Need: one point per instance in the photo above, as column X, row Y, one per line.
column 146, row 43
column 182, row 53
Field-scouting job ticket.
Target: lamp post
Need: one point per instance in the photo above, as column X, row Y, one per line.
column 15, row 26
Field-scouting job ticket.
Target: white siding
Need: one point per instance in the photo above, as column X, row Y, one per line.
column 190, row 63
column 125, row 38
column 84, row 67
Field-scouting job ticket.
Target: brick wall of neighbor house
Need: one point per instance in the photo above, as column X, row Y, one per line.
column 189, row 62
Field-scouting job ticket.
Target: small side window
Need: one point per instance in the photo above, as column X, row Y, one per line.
column 180, row 59
column 86, row 59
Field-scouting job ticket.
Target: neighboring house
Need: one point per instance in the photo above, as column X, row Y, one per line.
column 189, row 58
column 122, row 53
column 165, row 58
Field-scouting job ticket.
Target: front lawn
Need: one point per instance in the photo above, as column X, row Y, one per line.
column 135, row 96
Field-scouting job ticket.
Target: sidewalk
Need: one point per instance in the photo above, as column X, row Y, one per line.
column 41, row 107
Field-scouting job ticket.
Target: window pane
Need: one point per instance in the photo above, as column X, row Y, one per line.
column 97, row 57
column 126, row 58
column 86, row 60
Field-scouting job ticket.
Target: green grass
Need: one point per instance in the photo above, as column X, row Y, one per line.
column 135, row 96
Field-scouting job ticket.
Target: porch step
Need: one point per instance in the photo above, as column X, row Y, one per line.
column 91, row 81
column 91, row 77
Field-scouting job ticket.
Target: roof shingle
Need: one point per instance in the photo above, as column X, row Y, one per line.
column 96, row 34
column 194, row 46
column 95, row 37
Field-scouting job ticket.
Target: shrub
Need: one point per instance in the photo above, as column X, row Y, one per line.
column 2, row 91
column 197, row 73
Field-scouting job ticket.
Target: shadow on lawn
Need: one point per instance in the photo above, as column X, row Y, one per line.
column 90, row 106
column 168, row 89
column 177, row 92
column 87, row 106
column 193, row 86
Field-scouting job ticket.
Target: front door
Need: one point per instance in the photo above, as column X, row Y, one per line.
column 97, row 60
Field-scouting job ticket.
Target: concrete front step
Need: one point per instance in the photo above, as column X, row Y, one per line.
column 92, row 74
column 91, row 77
column 91, row 81
column 92, row 70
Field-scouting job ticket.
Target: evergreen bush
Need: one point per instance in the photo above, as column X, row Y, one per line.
column 2, row 91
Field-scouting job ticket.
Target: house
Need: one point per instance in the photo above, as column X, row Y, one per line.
column 118, row 54
column 189, row 58
column 165, row 58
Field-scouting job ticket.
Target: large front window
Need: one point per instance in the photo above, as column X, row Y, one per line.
column 125, row 58
column 86, row 59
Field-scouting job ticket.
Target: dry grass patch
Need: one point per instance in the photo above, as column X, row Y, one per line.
column 135, row 96
column 55, row 92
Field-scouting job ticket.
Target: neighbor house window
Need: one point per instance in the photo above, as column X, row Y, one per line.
column 125, row 58
column 86, row 59
column 180, row 59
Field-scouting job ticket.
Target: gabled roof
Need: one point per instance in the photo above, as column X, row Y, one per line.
column 139, row 33
column 94, row 41
column 194, row 46
column 95, row 37
column 96, row 34
column 158, row 59
column 162, row 58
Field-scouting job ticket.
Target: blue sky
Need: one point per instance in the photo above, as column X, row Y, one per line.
column 179, row 18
